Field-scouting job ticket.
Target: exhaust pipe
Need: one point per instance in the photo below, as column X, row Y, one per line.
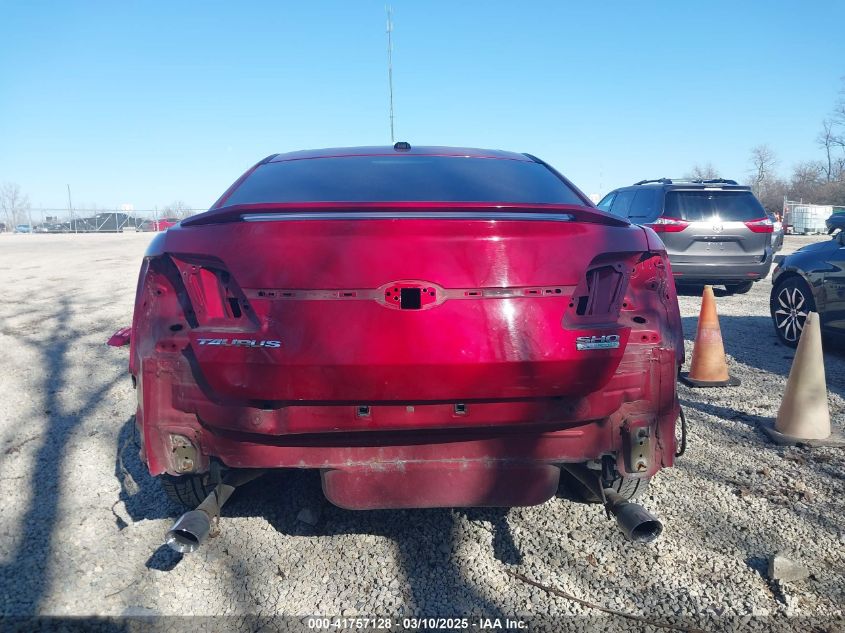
column 189, row 532
column 637, row 524
column 193, row 528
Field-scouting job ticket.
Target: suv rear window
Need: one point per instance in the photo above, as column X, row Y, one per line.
column 729, row 206
column 411, row 178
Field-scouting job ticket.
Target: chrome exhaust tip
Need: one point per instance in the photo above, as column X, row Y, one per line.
column 637, row 524
column 189, row 532
column 192, row 528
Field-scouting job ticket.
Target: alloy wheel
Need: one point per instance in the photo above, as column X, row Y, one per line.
column 791, row 314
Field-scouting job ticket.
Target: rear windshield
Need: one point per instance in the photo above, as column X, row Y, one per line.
column 728, row 206
column 404, row 178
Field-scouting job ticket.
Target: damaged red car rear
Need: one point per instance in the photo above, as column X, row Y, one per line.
column 426, row 326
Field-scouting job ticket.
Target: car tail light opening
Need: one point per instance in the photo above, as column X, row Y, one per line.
column 604, row 285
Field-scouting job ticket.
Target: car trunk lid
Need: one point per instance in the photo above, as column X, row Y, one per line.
column 411, row 306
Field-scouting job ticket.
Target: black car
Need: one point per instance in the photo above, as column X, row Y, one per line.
column 811, row 279
column 835, row 222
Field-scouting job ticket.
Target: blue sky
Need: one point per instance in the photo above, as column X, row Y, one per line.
column 150, row 102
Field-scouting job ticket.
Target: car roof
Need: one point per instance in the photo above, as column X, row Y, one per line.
column 389, row 150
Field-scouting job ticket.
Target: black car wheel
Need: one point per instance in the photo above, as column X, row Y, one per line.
column 186, row 490
column 790, row 302
column 739, row 289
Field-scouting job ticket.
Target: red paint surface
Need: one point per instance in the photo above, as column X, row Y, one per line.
column 120, row 338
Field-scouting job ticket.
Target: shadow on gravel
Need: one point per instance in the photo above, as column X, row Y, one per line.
column 140, row 493
column 504, row 547
column 425, row 539
column 736, row 528
column 23, row 592
column 163, row 559
column 750, row 420
column 142, row 496
column 752, row 341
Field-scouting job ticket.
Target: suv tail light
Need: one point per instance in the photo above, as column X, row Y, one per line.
column 668, row 225
column 763, row 225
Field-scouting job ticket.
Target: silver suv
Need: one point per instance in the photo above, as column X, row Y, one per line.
column 715, row 231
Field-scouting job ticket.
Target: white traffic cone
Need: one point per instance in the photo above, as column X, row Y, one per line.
column 804, row 417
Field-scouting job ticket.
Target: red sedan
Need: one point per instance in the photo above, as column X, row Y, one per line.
column 158, row 225
column 425, row 326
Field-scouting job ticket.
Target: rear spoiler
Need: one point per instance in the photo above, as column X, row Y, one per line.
column 404, row 209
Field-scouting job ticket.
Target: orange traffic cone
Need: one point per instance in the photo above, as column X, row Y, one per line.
column 804, row 417
column 708, row 367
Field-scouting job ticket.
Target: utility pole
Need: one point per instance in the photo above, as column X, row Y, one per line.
column 390, row 65
column 70, row 209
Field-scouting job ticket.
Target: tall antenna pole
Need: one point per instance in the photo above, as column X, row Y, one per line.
column 390, row 65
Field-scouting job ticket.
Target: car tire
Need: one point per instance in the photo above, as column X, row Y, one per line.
column 790, row 302
column 186, row 490
column 627, row 487
column 739, row 289
column 630, row 488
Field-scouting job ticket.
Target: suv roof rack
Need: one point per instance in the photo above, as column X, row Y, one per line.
column 698, row 181
column 662, row 181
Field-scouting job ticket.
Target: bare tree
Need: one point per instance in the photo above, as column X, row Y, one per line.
column 763, row 162
column 177, row 209
column 14, row 204
column 834, row 128
column 839, row 109
column 773, row 195
column 828, row 139
column 807, row 180
column 702, row 172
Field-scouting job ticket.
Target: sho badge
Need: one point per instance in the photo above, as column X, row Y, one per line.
column 238, row 342
column 606, row 341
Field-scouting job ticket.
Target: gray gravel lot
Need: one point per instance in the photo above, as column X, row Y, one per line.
column 81, row 523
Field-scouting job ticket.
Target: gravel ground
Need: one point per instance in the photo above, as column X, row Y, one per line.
column 81, row 523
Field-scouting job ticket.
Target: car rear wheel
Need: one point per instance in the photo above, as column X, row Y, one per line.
column 630, row 488
column 739, row 289
column 186, row 490
column 790, row 302
column 627, row 487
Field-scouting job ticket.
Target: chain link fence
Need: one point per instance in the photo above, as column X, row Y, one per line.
column 96, row 221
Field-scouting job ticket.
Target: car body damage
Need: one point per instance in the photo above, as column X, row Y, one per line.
column 419, row 354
